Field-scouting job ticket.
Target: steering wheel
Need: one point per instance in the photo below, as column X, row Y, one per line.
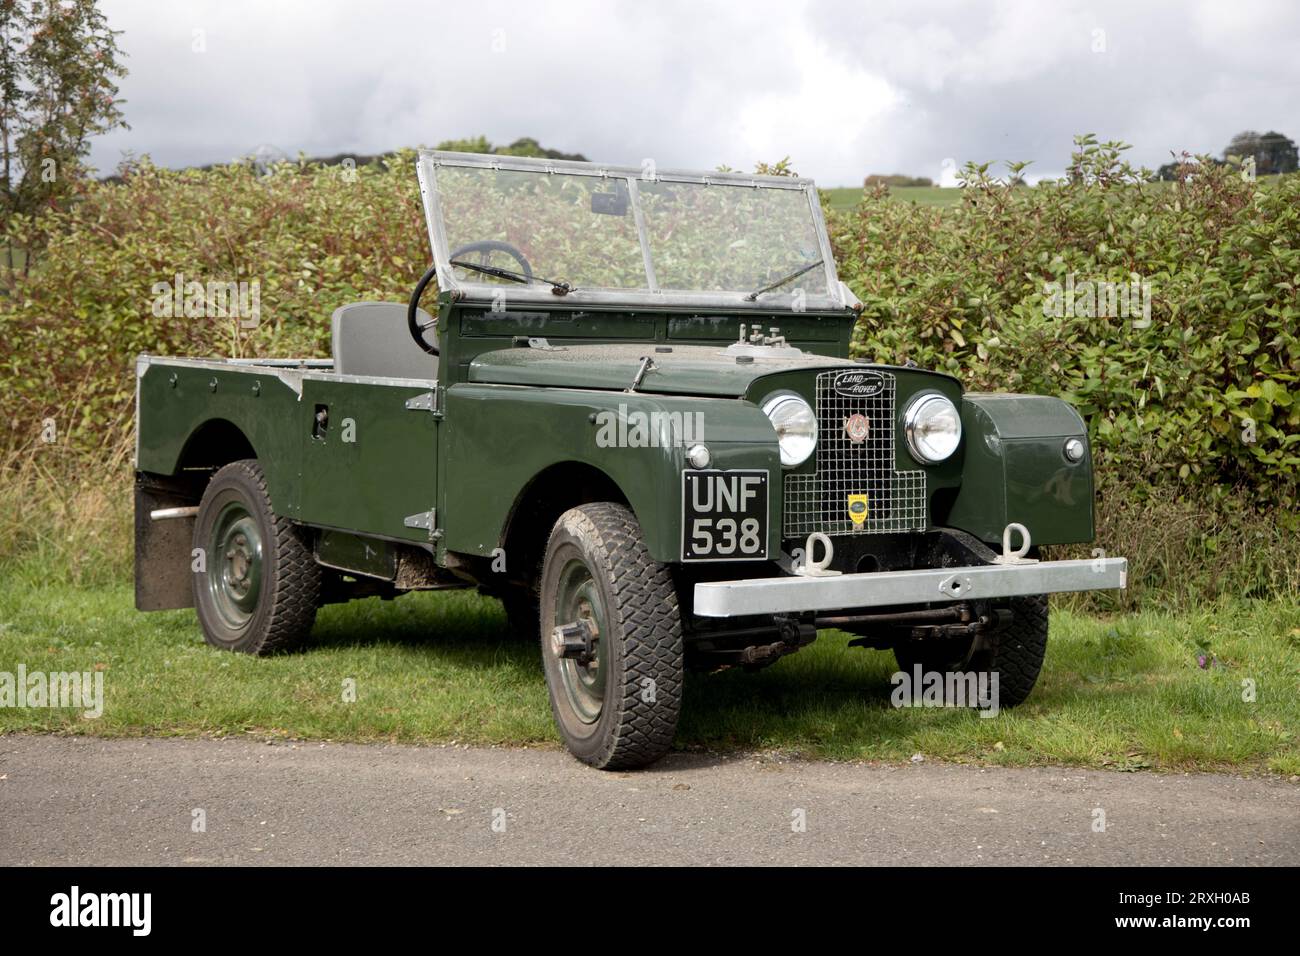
column 413, row 313
column 484, row 248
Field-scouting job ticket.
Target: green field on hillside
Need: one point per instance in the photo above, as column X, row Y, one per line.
column 844, row 198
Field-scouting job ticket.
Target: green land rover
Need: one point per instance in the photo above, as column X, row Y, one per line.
column 631, row 416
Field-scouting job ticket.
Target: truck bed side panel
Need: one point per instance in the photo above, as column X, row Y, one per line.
column 177, row 398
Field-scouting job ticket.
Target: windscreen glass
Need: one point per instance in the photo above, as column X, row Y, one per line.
column 616, row 231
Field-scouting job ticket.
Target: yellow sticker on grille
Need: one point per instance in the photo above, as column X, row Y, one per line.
column 857, row 510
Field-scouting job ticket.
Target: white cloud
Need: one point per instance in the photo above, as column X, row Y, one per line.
column 841, row 86
column 831, row 110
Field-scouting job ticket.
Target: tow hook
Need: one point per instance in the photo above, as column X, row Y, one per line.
column 574, row 642
column 794, row 635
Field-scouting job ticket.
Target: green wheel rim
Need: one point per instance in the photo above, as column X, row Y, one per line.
column 235, row 565
column 579, row 599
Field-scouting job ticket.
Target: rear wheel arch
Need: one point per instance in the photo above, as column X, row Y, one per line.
column 161, row 547
column 218, row 442
column 213, row 444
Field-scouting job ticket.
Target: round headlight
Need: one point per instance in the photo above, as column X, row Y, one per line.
column 933, row 428
column 796, row 427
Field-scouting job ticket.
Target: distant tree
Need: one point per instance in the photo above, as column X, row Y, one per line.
column 59, row 64
column 527, row 146
column 1272, row 151
column 1168, row 172
column 1277, row 154
column 479, row 144
column 524, row 146
column 896, row 179
column 1243, row 144
column 1184, row 166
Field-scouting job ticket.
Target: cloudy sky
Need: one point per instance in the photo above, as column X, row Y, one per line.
column 844, row 88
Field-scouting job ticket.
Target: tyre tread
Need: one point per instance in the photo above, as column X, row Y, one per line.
column 295, row 577
column 646, row 609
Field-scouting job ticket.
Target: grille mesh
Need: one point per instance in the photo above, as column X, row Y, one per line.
column 819, row 502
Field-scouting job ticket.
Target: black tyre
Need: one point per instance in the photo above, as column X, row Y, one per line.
column 1015, row 652
column 618, row 708
column 259, row 586
column 522, row 614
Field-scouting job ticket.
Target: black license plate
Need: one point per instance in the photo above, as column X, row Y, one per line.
column 724, row 515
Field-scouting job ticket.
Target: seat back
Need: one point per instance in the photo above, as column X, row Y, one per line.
column 372, row 338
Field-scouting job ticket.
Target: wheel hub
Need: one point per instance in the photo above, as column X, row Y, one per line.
column 576, row 644
column 235, row 564
column 575, row 641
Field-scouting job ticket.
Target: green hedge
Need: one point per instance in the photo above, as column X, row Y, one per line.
column 959, row 289
column 1205, row 394
column 313, row 237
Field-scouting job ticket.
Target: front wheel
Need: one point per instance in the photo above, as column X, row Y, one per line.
column 256, row 583
column 1015, row 652
column 611, row 639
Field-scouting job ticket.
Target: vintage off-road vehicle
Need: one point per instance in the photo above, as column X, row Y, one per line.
column 635, row 421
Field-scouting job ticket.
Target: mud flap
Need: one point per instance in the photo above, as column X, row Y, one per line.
column 162, row 549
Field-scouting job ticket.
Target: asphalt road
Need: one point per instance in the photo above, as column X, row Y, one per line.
column 79, row 801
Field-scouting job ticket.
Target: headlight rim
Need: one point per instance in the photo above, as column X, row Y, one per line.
column 910, row 417
column 771, row 403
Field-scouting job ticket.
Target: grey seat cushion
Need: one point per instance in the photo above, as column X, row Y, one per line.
column 371, row 338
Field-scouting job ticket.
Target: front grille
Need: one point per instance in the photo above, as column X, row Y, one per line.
column 820, row 501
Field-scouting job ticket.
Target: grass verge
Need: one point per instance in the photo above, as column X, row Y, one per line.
column 1127, row 692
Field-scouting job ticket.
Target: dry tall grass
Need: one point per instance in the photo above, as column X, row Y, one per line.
column 1185, row 552
column 66, row 504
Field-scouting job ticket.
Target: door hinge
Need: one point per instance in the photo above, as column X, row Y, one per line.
column 426, row 521
column 427, row 401
column 422, row 520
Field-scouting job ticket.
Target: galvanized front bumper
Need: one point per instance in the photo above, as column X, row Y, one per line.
column 795, row 593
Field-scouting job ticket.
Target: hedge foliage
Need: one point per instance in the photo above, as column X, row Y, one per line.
column 1204, row 394
column 1204, row 398
column 313, row 237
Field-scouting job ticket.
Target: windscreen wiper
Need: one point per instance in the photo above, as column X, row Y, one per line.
column 753, row 296
column 559, row 288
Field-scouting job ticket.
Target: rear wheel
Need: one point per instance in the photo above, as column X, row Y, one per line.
column 522, row 613
column 611, row 639
column 1014, row 653
column 258, row 586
